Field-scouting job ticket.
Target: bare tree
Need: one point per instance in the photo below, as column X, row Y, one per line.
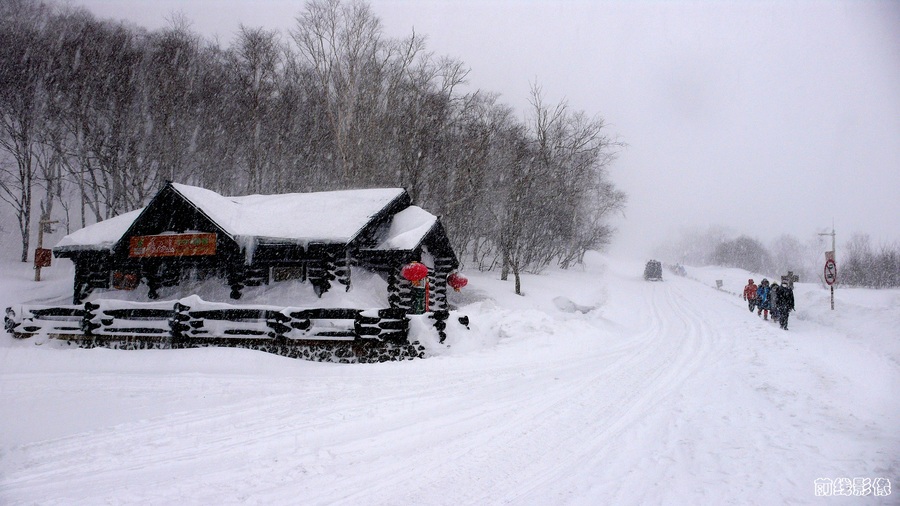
column 887, row 273
column 744, row 252
column 105, row 113
column 694, row 246
column 558, row 197
column 859, row 260
column 357, row 73
column 170, row 83
column 23, row 63
column 255, row 64
column 476, row 142
column 789, row 254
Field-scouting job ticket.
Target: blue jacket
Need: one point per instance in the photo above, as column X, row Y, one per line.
column 762, row 295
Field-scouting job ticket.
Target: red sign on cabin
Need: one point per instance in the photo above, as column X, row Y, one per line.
column 172, row 245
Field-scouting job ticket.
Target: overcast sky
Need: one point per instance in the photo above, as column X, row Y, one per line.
column 764, row 117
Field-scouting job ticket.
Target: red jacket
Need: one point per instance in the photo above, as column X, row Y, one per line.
column 750, row 291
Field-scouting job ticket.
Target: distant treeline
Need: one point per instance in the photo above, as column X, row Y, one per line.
column 864, row 265
column 858, row 262
column 97, row 115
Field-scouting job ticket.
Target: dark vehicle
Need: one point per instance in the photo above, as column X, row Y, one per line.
column 653, row 271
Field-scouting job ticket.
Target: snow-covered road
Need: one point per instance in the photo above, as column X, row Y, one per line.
column 668, row 393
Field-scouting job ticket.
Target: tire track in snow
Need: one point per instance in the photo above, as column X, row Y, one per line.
column 586, row 418
column 670, row 351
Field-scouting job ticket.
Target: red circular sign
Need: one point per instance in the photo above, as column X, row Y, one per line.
column 830, row 272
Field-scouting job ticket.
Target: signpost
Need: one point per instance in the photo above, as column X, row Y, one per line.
column 42, row 256
column 831, row 266
column 789, row 279
column 831, row 277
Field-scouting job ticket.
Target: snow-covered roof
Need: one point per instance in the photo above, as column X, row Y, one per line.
column 334, row 216
column 408, row 229
column 328, row 217
column 100, row 236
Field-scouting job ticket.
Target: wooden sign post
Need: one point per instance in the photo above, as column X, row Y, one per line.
column 42, row 256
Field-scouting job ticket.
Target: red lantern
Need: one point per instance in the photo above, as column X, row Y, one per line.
column 415, row 272
column 457, row 280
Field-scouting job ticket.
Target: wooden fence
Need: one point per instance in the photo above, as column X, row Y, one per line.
column 191, row 318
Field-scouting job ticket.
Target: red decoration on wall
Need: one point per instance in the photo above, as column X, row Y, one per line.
column 415, row 272
column 125, row 280
column 457, row 280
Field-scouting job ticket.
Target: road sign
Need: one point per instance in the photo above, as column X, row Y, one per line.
column 790, row 279
column 830, row 272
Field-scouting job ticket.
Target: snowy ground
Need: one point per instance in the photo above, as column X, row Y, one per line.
column 595, row 388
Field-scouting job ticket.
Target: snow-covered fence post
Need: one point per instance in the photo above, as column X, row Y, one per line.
column 179, row 324
column 366, row 325
column 88, row 323
column 279, row 323
column 9, row 321
column 394, row 324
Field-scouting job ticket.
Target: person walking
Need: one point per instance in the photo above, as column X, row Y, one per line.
column 785, row 304
column 762, row 299
column 750, row 294
column 773, row 300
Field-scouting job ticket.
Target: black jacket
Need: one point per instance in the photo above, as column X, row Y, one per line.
column 785, row 300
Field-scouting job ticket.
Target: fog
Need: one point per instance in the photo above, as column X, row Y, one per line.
column 762, row 117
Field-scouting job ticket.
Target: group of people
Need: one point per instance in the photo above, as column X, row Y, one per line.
column 764, row 298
